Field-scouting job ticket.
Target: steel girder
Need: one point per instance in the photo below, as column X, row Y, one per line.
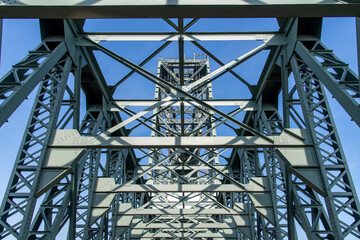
column 335, row 75
column 143, row 200
column 19, row 200
column 184, row 8
column 72, row 139
column 18, row 83
column 329, row 153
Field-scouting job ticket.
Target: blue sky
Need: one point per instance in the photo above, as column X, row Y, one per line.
column 21, row 36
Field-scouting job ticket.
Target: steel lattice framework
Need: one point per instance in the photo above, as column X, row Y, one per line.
column 275, row 170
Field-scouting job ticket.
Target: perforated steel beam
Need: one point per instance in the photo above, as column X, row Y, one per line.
column 72, row 139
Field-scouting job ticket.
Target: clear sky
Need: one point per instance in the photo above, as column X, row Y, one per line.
column 21, row 36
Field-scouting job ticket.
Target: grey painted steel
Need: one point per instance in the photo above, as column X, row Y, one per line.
column 247, row 105
column 274, row 180
column 188, row 188
column 351, row 106
column 273, row 169
column 89, row 170
column 22, row 185
column 181, row 92
column 197, row 36
column 184, row 8
column 72, row 139
column 141, row 168
column 12, row 102
column 154, row 211
column 107, row 185
column 1, row 33
column 334, row 172
column 157, row 51
column 160, row 165
column 357, row 22
column 228, row 234
column 184, row 226
column 77, row 91
column 219, row 62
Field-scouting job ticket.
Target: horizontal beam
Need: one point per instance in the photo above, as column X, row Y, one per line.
column 141, row 225
column 227, row 233
column 216, row 36
column 187, row 188
column 248, row 105
column 108, row 185
column 187, row 212
column 72, row 139
column 176, row 8
column 142, row 168
column 139, row 237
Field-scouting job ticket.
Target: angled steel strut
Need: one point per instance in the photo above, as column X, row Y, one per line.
column 184, row 164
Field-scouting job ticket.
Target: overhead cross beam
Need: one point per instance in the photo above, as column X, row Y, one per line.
column 175, row 36
column 178, row 211
column 184, row 8
column 189, row 183
column 72, row 139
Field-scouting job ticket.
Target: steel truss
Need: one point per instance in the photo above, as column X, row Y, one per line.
column 279, row 171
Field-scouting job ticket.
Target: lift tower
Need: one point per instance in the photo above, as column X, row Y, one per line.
column 184, row 164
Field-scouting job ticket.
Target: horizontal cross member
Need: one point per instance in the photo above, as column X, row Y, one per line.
column 147, row 188
column 217, row 238
column 107, row 185
column 222, row 168
column 247, row 105
column 215, row 36
column 176, row 8
column 72, row 139
column 177, row 211
column 137, row 224
column 227, row 233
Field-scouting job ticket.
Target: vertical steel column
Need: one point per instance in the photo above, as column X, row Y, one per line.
column 290, row 203
column 73, row 202
column 92, row 124
column 288, row 176
column 270, row 123
column 77, row 85
column 19, row 200
column 357, row 24
column 285, row 90
column 170, row 121
column 341, row 199
column 1, row 30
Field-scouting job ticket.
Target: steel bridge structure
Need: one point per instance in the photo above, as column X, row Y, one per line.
column 184, row 164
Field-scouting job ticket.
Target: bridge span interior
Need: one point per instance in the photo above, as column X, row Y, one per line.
column 180, row 128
